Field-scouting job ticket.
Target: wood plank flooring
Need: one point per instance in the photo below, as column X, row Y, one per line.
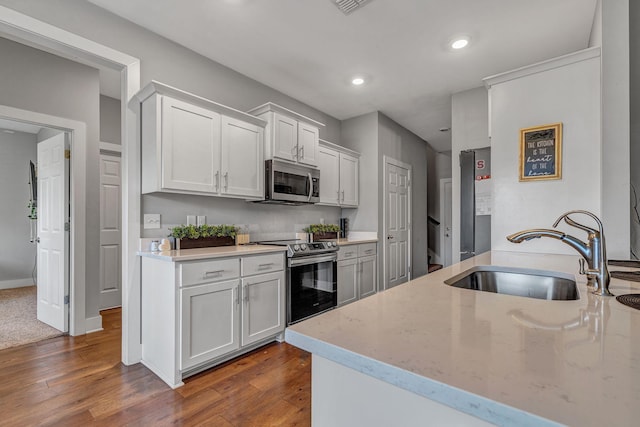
column 78, row 381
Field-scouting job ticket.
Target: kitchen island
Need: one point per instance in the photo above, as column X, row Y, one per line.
column 426, row 349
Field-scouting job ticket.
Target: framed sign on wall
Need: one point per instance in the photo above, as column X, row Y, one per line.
column 541, row 152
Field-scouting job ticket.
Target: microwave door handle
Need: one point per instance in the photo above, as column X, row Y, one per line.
column 310, row 186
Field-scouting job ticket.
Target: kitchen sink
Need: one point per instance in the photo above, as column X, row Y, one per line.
column 549, row 285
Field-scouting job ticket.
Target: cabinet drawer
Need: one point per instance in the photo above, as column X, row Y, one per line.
column 262, row 264
column 348, row 252
column 366, row 249
column 193, row 273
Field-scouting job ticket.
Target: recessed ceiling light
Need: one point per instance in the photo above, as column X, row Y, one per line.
column 357, row 81
column 459, row 42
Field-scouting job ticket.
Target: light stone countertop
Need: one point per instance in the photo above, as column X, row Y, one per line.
column 506, row 359
column 217, row 252
column 355, row 241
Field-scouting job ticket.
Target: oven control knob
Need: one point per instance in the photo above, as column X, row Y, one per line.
column 296, row 248
column 333, row 244
column 303, row 246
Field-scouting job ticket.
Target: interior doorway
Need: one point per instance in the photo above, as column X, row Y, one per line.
column 446, row 204
column 397, row 222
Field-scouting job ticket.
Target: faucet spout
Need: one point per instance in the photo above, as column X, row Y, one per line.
column 593, row 251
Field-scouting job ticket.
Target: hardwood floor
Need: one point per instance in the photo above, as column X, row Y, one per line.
column 71, row 381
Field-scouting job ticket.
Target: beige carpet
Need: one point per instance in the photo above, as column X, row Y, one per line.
column 18, row 323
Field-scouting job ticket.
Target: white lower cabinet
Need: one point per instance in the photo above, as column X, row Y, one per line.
column 210, row 322
column 197, row 314
column 357, row 272
column 263, row 310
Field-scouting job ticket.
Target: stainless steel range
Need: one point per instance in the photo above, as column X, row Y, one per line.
column 312, row 271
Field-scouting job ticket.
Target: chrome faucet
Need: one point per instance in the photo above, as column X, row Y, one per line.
column 593, row 251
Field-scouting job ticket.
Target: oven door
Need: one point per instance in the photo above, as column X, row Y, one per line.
column 312, row 286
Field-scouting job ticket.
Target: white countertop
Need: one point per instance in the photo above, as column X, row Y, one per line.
column 506, row 359
column 217, row 252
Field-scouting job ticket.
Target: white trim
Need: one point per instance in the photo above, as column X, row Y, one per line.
column 16, row 283
column 23, row 28
column 391, row 161
column 110, row 147
column 561, row 61
column 78, row 135
column 94, row 324
column 442, row 256
column 338, row 148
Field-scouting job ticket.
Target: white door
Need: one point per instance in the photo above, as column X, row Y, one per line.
column 242, row 159
column 397, row 224
column 263, row 312
column 53, row 240
column 110, row 232
column 446, row 221
column 329, row 164
column 190, row 147
column 348, row 180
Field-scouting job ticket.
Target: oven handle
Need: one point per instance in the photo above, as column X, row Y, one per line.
column 312, row 260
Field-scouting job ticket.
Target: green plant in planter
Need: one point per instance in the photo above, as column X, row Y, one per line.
column 196, row 232
column 321, row 228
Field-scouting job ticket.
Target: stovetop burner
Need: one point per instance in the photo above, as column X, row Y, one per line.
column 297, row 248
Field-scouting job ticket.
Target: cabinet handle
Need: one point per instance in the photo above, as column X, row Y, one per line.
column 211, row 273
column 265, row 265
column 348, row 254
column 368, row 251
column 246, row 294
column 226, row 181
column 338, row 196
column 342, row 196
column 294, row 152
column 217, row 180
column 302, row 152
column 237, row 297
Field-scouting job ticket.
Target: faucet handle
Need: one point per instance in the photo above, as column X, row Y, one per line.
column 581, row 270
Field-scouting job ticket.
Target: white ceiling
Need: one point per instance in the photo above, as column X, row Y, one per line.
column 309, row 49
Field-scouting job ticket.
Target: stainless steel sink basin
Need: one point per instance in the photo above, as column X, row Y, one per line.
column 549, row 285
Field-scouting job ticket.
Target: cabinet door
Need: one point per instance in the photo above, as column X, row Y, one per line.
column 263, row 312
column 308, row 137
column 190, row 147
column 348, row 180
column 285, row 137
column 329, row 164
column 347, row 281
column 367, row 274
column 242, row 167
column 209, row 322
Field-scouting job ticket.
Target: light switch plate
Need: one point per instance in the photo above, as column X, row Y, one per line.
column 151, row 221
column 201, row 220
column 191, row 220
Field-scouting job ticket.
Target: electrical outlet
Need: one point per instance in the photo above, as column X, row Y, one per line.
column 151, row 221
column 191, row 220
column 201, row 220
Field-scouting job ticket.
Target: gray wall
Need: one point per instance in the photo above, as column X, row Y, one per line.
column 17, row 254
column 361, row 134
column 33, row 80
column 110, row 126
column 401, row 144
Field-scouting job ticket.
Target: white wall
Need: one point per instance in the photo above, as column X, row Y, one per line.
column 634, row 53
column 569, row 94
column 615, row 127
column 469, row 130
column 17, row 254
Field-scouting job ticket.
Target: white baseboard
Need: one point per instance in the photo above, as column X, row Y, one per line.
column 16, row 283
column 94, row 324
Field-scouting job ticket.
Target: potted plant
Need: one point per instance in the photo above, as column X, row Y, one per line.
column 322, row 231
column 204, row 236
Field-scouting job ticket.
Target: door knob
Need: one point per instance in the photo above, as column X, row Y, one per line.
column 389, row 237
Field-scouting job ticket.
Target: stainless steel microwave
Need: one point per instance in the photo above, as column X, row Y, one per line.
column 291, row 184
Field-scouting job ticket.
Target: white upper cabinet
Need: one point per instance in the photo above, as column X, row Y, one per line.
column 339, row 175
column 195, row 146
column 289, row 136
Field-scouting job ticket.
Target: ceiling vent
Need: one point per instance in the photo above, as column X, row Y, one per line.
column 348, row 6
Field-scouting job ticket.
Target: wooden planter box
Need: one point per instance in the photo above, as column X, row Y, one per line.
column 204, row 242
column 330, row 235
